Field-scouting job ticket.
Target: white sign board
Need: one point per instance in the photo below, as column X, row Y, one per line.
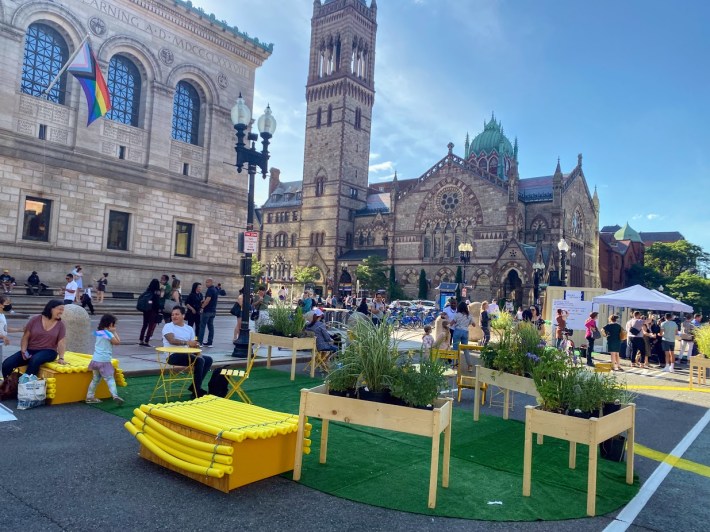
column 251, row 241
column 578, row 312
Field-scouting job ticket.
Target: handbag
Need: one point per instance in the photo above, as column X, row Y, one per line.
column 596, row 335
column 31, row 392
column 236, row 310
column 634, row 331
column 254, row 315
column 8, row 387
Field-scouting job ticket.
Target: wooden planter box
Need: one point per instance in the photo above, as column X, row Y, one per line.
column 700, row 363
column 293, row 344
column 507, row 382
column 430, row 423
column 576, row 430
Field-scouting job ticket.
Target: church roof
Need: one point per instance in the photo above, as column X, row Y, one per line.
column 376, row 202
column 652, row 237
column 627, row 233
column 610, row 229
column 359, row 254
column 285, row 195
column 491, row 140
column 535, row 189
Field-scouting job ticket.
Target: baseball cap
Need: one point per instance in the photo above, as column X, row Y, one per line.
column 317, row 312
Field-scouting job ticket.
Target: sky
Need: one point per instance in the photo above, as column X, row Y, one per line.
column 625, row 83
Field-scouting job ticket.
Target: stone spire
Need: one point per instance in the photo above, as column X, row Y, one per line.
column 595, row 199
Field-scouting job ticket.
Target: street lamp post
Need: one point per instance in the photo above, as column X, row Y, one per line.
column 538, row 267
column 253, row 159
column 563, row 247
column 465, row 250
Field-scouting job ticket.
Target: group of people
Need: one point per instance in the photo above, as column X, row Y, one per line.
column 163, row 295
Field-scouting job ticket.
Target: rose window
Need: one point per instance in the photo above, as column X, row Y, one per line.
column 448, row 200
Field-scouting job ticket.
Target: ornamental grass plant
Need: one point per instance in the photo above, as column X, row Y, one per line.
column 376, row 354
column 702, row 339
column 283, row 321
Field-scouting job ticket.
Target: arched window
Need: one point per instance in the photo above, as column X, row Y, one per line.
column 483, row 164
column 319, row 117
column 186, row 113
column 280, row 240
column 493, row 165
column 358, row 118
column 320, row 186
column 361, row 239
column 330, row 115
column 268, row 241
column 45, row 54
column 124, row 85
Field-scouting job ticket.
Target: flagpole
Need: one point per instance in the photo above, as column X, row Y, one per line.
column 64, row 68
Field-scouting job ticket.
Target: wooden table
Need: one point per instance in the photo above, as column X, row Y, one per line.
column 294, row 344
column 430, row 423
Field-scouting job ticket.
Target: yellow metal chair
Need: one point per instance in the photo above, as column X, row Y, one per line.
column 445, row 354
column 235, row 379
column 465, row 379
column 174, row 380
column 321, row 361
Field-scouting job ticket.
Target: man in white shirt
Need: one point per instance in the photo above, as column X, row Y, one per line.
column 179, row 334
column 70, row 290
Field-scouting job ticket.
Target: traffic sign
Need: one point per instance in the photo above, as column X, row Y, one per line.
column 251, row 241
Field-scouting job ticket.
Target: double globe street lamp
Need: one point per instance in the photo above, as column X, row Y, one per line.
column 465, row 250
column 251, row 158
column 563, row 248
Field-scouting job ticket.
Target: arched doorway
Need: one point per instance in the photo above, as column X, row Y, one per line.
column 513, row 288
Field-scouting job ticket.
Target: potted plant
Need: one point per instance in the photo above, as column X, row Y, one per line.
column 376, row 356
column 283, row 321
column 702, row 339
column 418, row 385
column 342, row 378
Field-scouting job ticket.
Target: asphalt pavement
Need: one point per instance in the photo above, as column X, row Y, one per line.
column 73, row 467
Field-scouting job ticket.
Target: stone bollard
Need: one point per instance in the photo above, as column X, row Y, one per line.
column 79, row 333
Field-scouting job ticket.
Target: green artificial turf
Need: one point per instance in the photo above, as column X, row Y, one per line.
column 391, row 470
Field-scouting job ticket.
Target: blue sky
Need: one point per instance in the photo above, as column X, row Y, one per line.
column 625, row 83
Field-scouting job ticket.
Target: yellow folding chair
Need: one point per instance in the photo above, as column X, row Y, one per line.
column 445, row 354
column 235, row 379
column 464, row 379
column 174, row 381
column 321, row 361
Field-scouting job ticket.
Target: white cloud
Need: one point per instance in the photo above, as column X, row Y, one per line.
column 387, row 166
column 653, row 216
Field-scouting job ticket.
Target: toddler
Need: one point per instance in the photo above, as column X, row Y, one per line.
column 106, row 338
column 427, row 341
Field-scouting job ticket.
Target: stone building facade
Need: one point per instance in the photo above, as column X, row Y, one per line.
column 332, row 219
column 143, row 190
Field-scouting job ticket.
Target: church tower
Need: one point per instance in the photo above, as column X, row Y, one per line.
column 340, row 93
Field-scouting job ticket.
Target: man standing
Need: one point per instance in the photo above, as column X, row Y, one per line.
column 669, row 329
column 179, row 334
column 377, row 309
column 165, row 292
column 634, row 339
column 209, row 310
column 70, row 290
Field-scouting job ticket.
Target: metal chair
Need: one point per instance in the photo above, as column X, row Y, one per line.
column 174, row 380
column 236, row 378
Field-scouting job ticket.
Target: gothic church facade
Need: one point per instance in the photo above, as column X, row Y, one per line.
column 332, row 219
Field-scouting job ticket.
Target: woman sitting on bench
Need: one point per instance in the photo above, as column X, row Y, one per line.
column 42, row 342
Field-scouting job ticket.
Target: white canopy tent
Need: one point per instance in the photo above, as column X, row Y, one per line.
column 642, row 298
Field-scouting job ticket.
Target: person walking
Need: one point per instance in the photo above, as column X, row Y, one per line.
column 687, row 340
column 634, row 341
column 485, row 320
column 194, row 306
column 612, row 331
column 106, row 337
column 560, row 327
column 165, row 291
column 209, row 311
column 461, row 322
column 151, row 312
column 86, row 299
column 377, row 309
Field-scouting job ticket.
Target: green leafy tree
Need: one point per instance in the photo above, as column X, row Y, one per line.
column 394, row 291
column 459, row 282
column 673, row 258
column 372, row 273
column 257, row 268
column 306, row 275
column 423, row 285
column 691, row 289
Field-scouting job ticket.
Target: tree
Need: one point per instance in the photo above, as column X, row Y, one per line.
column 372, row 273
column 459, row 282
column 257, row 268
column 423, row 285
column 394, row 291
column 691, row 289
column 306, row 274
column 672, row 259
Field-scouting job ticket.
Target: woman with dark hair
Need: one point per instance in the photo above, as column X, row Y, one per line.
column 363, row 307
column 591, row 328
column 42, row 341
column 151, row 316
column 193, row 303
column 460, row 323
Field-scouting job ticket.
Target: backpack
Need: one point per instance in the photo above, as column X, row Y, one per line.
column 144, row 301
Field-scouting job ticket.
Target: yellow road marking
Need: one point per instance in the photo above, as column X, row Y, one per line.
column 673, row 461
column 668, row 388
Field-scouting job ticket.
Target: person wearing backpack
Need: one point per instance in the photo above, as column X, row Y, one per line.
column 149, row 305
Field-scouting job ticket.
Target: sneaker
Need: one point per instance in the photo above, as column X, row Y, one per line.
column 209, row 345
column 666, row 368
column 118, row 400
column 92, row 400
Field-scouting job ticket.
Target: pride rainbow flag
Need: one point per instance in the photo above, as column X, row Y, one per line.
column 86, row 70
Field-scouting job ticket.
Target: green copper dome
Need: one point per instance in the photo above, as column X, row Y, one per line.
column 627, row 233
column 491, row 140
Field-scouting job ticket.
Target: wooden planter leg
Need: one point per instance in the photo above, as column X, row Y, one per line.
column 476, row 401
column 572, row 455
column 527, row 458
column 592, row 480
column 630, row 436
column 298, row 459
column 447, row 452
column 324, row 442
column 434, row 472
column 313, row 363
column 268, row 357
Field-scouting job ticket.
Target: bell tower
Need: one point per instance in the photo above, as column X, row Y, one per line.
column 340, row 93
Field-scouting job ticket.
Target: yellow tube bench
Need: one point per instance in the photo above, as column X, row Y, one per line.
column 68, row 383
